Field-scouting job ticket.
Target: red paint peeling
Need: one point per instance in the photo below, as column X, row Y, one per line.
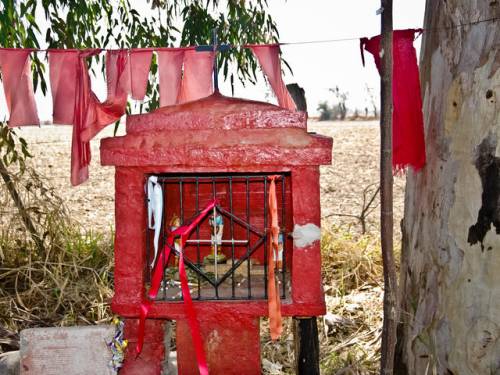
column 213, row 135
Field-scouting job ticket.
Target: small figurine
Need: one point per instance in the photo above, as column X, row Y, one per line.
column 278, row 260
column 175, row 223
column 216, row 223
column 155, row 211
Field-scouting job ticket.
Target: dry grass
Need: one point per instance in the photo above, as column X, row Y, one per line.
column 70, row 283
column 66, row 282
column 350, row 332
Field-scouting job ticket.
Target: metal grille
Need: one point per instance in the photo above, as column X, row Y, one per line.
column 226, row 256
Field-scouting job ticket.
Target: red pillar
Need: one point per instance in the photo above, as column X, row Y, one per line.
column 149, row 362
column 231, row 343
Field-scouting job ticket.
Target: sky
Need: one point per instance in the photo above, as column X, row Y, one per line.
column 316, row 66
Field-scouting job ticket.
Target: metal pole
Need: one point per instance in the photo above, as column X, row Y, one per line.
column 386, row 194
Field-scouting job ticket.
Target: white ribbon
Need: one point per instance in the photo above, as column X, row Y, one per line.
column 155, row 210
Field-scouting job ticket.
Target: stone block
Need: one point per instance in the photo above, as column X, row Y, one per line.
column 66, row 350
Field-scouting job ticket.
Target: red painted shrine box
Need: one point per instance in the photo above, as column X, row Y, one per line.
column 222, row 148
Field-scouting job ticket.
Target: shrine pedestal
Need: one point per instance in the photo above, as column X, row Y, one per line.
column 151, row 359
column 231, row 342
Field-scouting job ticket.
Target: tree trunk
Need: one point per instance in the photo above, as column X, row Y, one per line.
column 450, row 266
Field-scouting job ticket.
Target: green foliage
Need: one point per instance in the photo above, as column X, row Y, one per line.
column 13, row 149
column 107, row 24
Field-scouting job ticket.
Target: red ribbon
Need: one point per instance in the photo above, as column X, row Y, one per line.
column 183, row 232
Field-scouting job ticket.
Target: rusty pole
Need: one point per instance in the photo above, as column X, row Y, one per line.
column 386, row 190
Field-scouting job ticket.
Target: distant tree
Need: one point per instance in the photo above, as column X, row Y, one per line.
column 325, row 111
column 373, row 100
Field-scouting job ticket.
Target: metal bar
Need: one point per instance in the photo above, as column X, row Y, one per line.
column 232, row 232
column 214, row 196
column 238, row 263
column 243, row 242
column 249, row 283
column 181, row 202
column 265, row 243
column 283, row 237
column 164, row 235
column 197, row 207
column 241, row 222
column 209, row 179
column 148, row 242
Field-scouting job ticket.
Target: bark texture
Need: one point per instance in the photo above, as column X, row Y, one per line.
column 450, row 272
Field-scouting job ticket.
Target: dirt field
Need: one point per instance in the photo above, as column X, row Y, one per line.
column 354, row 168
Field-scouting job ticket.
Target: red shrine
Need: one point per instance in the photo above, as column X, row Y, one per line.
column 221, row 149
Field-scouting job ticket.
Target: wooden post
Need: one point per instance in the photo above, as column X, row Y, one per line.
column 306, row 346
column 386, row 187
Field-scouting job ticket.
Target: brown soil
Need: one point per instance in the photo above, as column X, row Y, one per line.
column 354, row 168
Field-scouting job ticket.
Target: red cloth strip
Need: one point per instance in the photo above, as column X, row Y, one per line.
column 197, row 78
column 274, row 303
column 170, row 70
column 15, row 65
column 407, row 120
column 183, row 232
column 140, row 63
column 269, row 60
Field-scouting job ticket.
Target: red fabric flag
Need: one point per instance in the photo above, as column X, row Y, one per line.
column 75, row 103
column 170, row 69
column 18, row 86
column 198, row 75
column 100, row 115
column 63, row 66
column 408, row 142
column 269, row 60
column 140, row 62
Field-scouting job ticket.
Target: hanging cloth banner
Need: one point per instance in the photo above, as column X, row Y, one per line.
column 274, row 303
column 15, row 66
column 100, row 115
column 170, row 71
column 63, row 68
column 407, row 120
column 75, row 103
column 140, row 63
column 185, row 75
column 183, row 232
column 197, row 80
column 269, row 60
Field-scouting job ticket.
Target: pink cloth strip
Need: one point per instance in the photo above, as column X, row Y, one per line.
column 269, row 60
column 100, row 115
column 183, row 232
column 140, row 63
column 170, row 69
column 15, row 65
column 197, row 81
column 63, row 66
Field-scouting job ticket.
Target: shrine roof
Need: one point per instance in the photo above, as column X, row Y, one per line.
column 218, row 132
column 216, row 112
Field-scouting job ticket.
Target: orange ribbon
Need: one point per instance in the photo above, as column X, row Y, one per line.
column 275, row 324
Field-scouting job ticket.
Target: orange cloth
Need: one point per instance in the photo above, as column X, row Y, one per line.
column 274, row 303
